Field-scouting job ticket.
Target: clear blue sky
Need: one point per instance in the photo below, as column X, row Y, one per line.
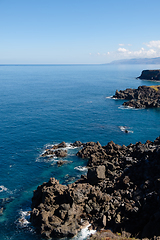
column 78, row 31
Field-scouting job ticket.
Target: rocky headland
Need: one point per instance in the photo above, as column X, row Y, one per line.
column 121, row 192
column 142, row 97
column 150, row 75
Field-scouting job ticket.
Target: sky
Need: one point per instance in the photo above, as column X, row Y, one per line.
column 78, row 31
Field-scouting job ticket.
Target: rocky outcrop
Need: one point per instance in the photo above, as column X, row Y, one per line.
column 77, row 144
column 60, row 145
column 150, row 75
column 143, row 97
column 55, row 151
column 61, row 153
column 58, row 210
column 59, row 150
column 120, row 192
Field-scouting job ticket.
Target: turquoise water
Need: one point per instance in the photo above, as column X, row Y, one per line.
column 42, row 105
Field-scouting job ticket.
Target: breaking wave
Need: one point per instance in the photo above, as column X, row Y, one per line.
column 3, row 188
column 125, row 129
column 84, row 233
column 23, row 220
column 82, row 169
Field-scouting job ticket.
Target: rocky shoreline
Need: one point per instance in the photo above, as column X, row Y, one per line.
column 143, row 97
column 150, row 75
column 121, row 192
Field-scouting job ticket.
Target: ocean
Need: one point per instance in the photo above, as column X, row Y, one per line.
column 43, row 105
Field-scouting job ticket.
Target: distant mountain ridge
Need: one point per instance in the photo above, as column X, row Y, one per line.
column 137, row 61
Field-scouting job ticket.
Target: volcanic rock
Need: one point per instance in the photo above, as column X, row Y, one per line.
column 150, row 75
column 61, row 153
column 60, row 145
column 96, row 174
column 56, row 150
column 121, row 192
column 143, row 97
column 77, row 144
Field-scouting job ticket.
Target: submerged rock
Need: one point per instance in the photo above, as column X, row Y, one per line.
column 1, row 211
column 62, row 162
column 4, row 202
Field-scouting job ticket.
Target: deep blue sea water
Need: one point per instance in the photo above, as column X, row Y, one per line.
column 42, row 105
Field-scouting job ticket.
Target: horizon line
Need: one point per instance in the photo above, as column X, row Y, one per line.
column 51, row 64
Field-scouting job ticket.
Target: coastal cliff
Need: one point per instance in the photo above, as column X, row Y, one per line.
column 150, row 75
column 121, row 192
column 143, row 97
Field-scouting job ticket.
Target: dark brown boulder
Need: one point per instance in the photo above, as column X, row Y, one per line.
column 48, row 153
column 60, row 145
column 61, row 153
column 77, row 144
column 96, row 174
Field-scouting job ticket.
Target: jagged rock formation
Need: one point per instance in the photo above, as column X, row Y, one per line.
column 150, row 75
column 55, row 150
column 143, row 97
column 121, row 191
column 59, row 150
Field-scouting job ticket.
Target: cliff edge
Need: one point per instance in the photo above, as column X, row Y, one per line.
column 150, row 75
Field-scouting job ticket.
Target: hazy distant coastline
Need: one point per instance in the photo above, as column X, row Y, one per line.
column 137, row 61
column 115, row 62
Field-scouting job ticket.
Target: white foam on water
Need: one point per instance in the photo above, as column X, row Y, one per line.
column 23, row 220
column 84, row 233
column 110, row 97
column 46, row 159
column 125, row 129
column 52, row 157
column 116, row 98
column 3, row 188
column 82, row 169
column 128, row 107
column 122, row 128
column 125, row 107
column 69, row 146
column 130, row 131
